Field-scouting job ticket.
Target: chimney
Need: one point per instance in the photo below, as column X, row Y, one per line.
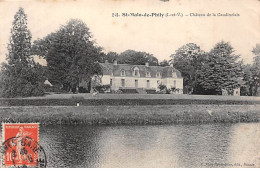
column 106, row 61
column 115, row 62
column 171, row 65
column 147, row 64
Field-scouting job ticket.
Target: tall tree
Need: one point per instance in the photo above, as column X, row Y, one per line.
column 251, row 74
column 247, row 89
column 221, row 71
column 137, row 58
column 256, row 69
column 70, row 54
column 20, row 76
column 189, row 59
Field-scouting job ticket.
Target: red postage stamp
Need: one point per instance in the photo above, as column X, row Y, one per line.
column 20, row 144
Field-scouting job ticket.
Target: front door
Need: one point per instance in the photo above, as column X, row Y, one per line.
column 122, row 82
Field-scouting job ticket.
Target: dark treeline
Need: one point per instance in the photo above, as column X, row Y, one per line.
column 131, row 57
column 217, row 70
column 72, row 56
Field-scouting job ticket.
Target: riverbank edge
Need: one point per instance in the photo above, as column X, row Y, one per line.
column 130, row 115
column 74, row 101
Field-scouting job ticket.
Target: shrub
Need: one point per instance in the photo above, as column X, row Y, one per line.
column 244, row 91
column 102, row 88
column 174, row 90
column 83, row 90
column 162, row 87
column 54, row 88
column 116, row 92
column 128, row 91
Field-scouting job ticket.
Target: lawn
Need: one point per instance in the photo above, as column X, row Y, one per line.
column 148, row 96
column 128, row 99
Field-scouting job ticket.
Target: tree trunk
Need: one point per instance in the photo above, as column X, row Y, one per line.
column 255, row 90
column 250, row 90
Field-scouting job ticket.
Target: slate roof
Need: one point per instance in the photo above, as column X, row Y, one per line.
column 166, row 72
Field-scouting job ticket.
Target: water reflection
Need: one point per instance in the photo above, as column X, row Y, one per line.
column 198, row 145
column 165, row 146
column 71, row 146
column 245, row 145
column 151, row 146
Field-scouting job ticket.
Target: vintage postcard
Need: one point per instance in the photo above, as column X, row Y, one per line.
column 130, row 83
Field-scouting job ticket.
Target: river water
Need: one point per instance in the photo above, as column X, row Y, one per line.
column 182, row 145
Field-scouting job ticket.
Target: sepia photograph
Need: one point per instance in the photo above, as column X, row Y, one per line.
column 130, row 84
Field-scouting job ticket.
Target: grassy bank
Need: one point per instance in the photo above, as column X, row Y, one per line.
column 118, row 102
column 140, row 115
column 147, row 96
column 128, row 99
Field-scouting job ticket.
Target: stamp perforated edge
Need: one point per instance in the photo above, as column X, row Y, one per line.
column 3, row 136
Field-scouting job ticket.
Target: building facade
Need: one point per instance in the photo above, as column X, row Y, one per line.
column 125, row 76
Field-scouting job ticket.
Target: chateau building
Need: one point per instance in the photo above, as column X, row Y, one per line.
column 125, row 76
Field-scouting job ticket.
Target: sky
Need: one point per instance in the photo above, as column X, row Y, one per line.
column 160, row 36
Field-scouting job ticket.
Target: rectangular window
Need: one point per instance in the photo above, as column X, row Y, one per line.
column 123, row 82
column 148, row 83
column 136, row 83
column 111, row 82
column 174, row 83
column 122, row 73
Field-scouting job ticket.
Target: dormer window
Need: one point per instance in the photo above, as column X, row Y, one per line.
column 136, row 72
column 158, row 74
column 148, row 74
column 123, row 73
column 174, row 75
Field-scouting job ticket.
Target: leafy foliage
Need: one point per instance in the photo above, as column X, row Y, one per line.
column 189, row 59
column 102, row 88
column 164, row 63
column 256, row 51
column 164, row 90
column 70, row 54
column 221, row 70
column 130, row 57
column 137, row 58
column 109, row 57
column 251, row 74
column 247, row 90
column 162, row 87
column 21, row 76
column 256, row 69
